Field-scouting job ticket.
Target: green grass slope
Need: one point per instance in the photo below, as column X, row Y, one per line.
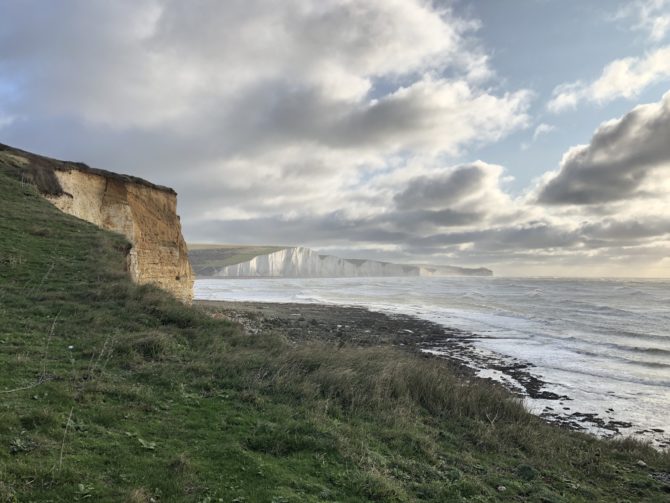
column 114, row 392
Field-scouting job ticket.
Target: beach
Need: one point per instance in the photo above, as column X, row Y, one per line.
column 356, row 326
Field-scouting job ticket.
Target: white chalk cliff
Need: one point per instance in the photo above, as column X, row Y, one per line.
column 303, row 262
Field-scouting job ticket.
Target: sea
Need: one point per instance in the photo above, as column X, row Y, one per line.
column 601, row 345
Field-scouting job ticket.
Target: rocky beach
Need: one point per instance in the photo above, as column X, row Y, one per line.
column 356, row 326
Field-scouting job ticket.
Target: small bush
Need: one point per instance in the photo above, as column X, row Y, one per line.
column 180, row 465
column 7, row 493
column 286, row 439
column 42, row 419
column 526, row 472
column 150, row 346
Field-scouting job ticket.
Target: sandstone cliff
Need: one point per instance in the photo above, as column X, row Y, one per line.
column 143, row 212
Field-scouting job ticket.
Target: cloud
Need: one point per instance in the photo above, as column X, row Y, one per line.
column 622, row 78
column 619, row 163
column 542, row 129
column 144, row 63
column 530, row 236
column 625, row 77
column 468, row 195
column 631, row 230
column 205, row 73
column 244, row 94
column 330, row 123
column 438, row 115
column 651, row 17
column 450, row 188
column 463, row 196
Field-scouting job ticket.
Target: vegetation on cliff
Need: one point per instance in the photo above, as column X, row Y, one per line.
column 110, row 391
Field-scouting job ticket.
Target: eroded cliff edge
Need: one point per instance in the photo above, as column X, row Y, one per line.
column 143, row 212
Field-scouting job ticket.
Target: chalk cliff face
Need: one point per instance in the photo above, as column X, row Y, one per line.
column 143, row 212
column 305, row 263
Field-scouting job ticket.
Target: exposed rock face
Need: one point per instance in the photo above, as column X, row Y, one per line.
column 143, row 212
column 305, row 263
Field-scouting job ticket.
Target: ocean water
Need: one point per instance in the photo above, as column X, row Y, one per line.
column 603, row 344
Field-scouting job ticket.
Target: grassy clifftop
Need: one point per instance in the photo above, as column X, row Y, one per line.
column 114, row 392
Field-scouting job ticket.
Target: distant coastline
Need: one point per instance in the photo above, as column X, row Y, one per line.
column 300, row 262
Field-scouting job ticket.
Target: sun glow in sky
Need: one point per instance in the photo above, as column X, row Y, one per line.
column 530, row 136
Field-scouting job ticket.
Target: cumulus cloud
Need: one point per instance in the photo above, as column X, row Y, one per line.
column 619, row 163
column 460, row 196
column 251, row 94
column 464, row 197
column 625, row 77
column 450, row 188
column 628, row 231
column 144, row 62
column 651, row 17
column 622, row 78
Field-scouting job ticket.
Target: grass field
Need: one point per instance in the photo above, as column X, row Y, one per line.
column 115, row 392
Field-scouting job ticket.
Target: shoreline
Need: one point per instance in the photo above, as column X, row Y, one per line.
column 359, row 326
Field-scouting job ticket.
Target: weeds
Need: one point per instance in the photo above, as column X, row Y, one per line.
column 62, row 444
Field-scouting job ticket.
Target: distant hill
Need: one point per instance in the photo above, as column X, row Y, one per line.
column 229, row 261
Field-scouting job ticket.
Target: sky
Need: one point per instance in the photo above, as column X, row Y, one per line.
column 528, row 136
